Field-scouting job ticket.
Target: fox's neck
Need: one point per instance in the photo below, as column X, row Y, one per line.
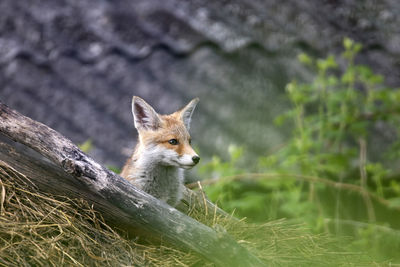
column 147, row 168
column 163, row 182
column 145, row 161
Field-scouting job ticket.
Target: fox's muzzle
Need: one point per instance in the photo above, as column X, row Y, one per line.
column 196, row 159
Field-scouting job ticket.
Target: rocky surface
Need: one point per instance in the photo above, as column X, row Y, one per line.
column 75, row 65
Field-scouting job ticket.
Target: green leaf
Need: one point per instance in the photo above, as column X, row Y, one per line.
column 347, row 43
column 86, row 146
column 305, row 59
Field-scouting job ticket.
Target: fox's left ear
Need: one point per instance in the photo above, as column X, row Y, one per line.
column 187, row 111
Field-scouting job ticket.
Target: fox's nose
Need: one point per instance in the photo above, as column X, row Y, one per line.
column 196, row 159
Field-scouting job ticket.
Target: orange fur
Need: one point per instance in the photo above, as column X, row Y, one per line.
column 156, row 166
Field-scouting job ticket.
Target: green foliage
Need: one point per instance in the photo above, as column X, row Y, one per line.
column 86, row 146
column 333, row 114
column 114, row 169
column 334, row 168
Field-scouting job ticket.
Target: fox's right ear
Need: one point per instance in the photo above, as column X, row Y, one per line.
column 145, row 117
column 187, row 111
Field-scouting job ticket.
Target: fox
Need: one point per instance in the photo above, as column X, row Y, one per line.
column 163, row 151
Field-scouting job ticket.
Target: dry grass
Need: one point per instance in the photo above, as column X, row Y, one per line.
column 37, row 229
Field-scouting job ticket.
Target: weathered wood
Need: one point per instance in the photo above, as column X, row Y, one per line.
column 50, row 178
column 144, row 211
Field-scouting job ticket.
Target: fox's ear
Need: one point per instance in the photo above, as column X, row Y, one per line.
column 144, row 115
column 187, row 111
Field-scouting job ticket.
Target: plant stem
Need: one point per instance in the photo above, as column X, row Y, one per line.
column 363, row 177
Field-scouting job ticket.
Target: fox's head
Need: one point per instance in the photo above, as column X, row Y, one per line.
column 165, row 139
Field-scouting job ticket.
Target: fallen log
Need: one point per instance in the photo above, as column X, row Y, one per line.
column 50, row 178
column 140, row 212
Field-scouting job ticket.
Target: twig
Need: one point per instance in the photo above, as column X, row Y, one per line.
column 307, row 178
column 363, row 175
column 204, row 197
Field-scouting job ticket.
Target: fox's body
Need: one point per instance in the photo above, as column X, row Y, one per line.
column 162, row 152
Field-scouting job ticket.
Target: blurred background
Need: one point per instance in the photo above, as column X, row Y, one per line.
column 75, row 65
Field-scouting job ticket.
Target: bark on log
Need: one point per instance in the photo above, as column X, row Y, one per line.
column 142, row 211
column 49, row 178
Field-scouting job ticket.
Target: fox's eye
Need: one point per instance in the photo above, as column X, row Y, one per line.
column 173, row 142
column 190, row 141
